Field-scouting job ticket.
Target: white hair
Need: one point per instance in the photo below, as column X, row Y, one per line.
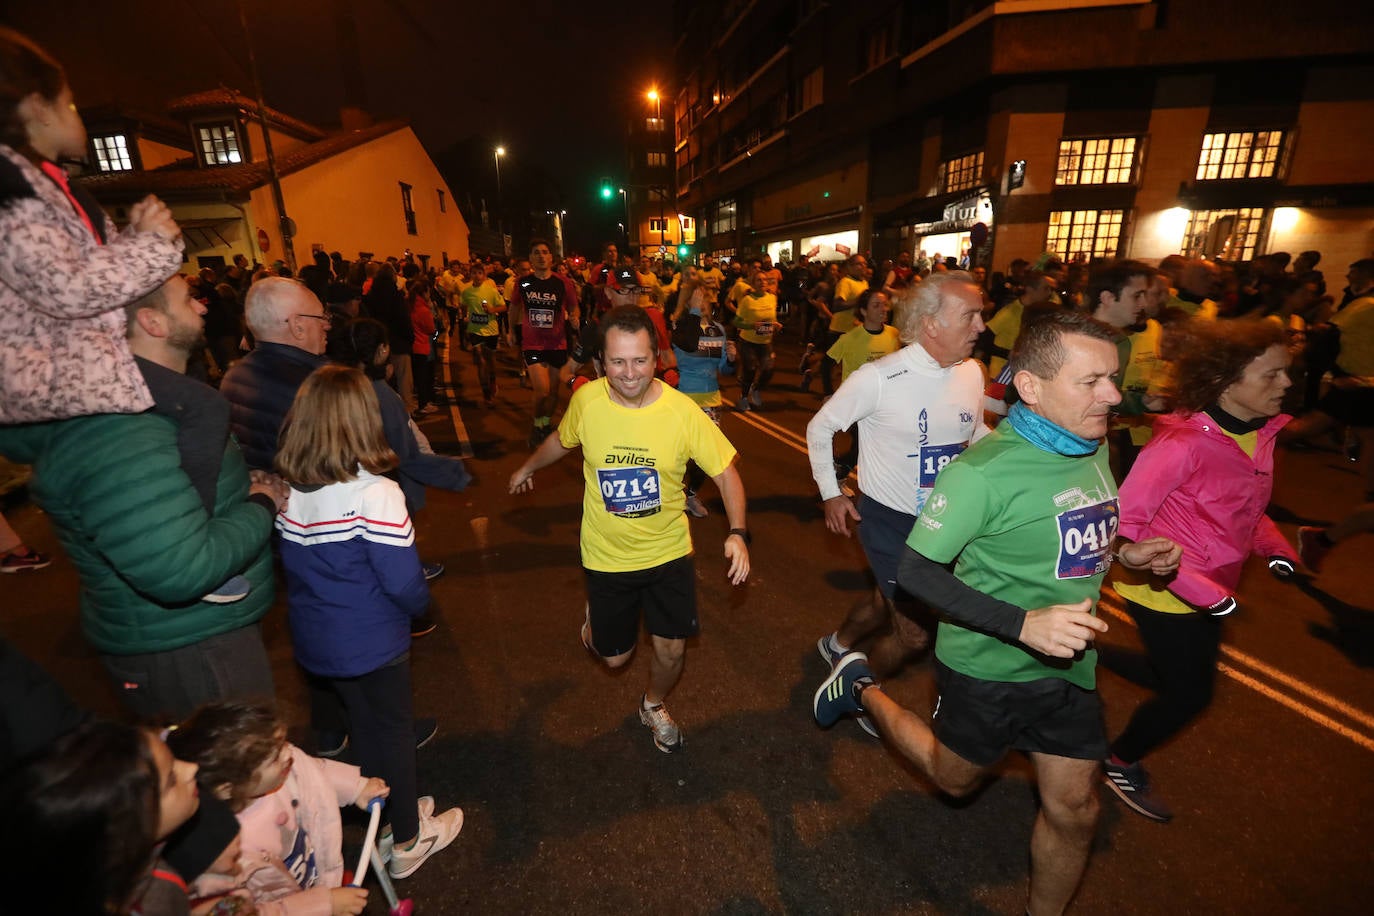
column 270, row 303
column 924, row 299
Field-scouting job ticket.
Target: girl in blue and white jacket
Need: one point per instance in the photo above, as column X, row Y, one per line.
column 354, row 582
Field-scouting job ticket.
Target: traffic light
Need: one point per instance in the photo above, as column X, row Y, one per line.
column 607, row 192
column 683, row 252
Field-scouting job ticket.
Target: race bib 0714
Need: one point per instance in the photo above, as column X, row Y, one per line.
column 1085, row 539
column 629, row 492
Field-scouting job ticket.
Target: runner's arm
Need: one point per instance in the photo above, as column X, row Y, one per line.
column 549, row 451
column 942, row 590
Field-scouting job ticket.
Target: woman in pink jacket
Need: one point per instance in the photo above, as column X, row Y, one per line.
column 1203, row 481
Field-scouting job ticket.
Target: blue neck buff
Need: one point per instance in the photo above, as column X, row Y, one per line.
column 1046, row 435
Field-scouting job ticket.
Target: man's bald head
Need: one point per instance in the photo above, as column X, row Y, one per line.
column 284, row 311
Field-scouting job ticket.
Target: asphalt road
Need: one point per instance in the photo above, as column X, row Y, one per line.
column 570, row 809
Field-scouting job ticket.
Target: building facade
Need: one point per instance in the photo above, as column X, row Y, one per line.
column 998, row 129
column 653, row 224
column 368, row 191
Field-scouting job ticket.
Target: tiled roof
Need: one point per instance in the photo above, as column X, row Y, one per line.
column 188, row 106
column 183, row 178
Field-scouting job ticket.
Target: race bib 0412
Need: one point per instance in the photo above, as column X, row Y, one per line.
column 1085, row 539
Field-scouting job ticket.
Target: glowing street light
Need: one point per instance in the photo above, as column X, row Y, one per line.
column 652, row 95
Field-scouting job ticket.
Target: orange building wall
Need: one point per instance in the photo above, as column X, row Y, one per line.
column 352, row 203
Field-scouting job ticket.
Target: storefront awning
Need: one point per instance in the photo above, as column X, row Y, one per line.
column 779, row 231
column 955, row 211
column 1231, row 195
column 210, row 233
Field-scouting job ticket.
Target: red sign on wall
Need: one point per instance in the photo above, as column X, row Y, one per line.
column 264, row 243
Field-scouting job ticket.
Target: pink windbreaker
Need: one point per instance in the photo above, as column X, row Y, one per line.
column 1194, row 485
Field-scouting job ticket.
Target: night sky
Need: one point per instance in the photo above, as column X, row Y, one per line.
column 552, row 85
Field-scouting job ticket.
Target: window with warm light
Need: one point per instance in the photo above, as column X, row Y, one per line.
column 112, row 153
column 723, row 217
column 1101, row 160
column 1240, row 154
column 962, row 173
column 219, row 144
column 658, row 225
column 1084, row 235
column 656, row 160
column 1225, row 235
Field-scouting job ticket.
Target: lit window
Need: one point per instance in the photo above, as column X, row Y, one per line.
column 657, row 159
column 112, row 153
column 654, row 124
column 408, row 207
column 1099, row 161
column 962, row 173
column 219, row 144
column 658, row 225
column 1241, row 154
column 723, row 217
column 1225, row 235
column 1082, row 235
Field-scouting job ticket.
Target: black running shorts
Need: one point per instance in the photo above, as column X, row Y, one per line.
column 666, row 594
column 981, row 720
column 555, row 358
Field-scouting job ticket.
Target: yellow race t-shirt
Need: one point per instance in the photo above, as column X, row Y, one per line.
column 1356, row 322
column 860, row 345
column 756, row 317
column 633, row 463
column 847, row 293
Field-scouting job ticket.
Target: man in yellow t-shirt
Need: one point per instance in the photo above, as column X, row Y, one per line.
column 848, row 289
column 637, row 435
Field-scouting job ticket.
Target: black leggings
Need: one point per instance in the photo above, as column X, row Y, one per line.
column 1182, row 650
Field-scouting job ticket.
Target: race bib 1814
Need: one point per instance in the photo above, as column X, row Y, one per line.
column 629, row 492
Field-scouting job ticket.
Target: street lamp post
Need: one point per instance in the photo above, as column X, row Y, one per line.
column 496, row 155
column 625, row 208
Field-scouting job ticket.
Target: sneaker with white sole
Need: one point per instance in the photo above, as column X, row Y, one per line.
column 1132, row 785
column 828, row 652
column 236, row 588
column 837, row 696
column 385, row 841
column 695, row 507
column 436, row 832
column 667, row 736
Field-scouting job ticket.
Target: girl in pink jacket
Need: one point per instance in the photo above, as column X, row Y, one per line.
column 287, row 802
column 1204, row 482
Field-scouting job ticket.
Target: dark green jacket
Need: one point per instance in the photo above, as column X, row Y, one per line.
column 136, row 531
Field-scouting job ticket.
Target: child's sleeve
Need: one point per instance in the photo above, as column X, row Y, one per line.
column 56, row 275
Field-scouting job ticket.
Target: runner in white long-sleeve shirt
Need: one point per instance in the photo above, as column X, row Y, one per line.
column 917, row 409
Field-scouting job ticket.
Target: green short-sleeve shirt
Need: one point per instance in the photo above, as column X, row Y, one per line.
column 1026, row 526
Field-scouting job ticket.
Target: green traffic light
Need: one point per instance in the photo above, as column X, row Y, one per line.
column 606, row 192
column 683, row 251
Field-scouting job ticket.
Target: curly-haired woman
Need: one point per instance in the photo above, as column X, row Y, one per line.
column 1203, row 481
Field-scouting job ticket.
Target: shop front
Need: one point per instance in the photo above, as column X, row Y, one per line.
column 949, row 235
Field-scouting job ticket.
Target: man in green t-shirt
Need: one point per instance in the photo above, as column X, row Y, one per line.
column 1028, row 515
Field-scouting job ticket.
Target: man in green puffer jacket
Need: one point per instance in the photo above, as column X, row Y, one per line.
column 134, row 527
